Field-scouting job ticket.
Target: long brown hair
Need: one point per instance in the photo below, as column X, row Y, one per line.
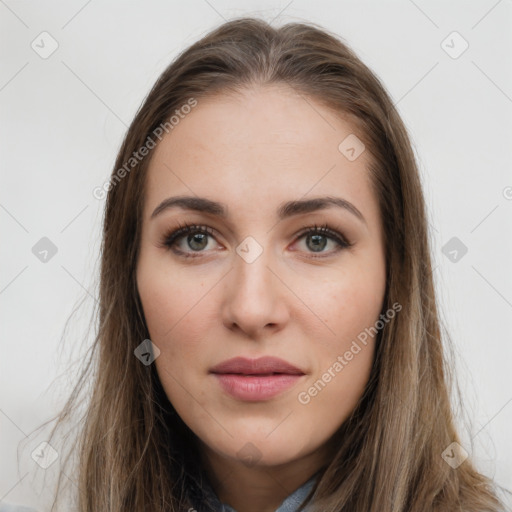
column 133, row 448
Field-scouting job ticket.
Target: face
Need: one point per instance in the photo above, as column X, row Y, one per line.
column 300, row 283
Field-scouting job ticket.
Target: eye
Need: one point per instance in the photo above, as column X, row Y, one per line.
column 194, row 237
column 317, row 237
column 189, row 239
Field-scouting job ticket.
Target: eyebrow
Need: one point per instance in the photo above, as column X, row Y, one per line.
column 285, row 210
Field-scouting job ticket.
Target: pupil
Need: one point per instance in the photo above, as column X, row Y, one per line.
column 192, row 239
column 316, row 239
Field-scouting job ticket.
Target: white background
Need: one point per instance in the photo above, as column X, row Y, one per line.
column 63, row 119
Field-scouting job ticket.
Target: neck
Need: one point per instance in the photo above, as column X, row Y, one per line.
column 259, row 488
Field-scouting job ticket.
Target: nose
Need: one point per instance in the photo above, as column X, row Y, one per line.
column 255, row 300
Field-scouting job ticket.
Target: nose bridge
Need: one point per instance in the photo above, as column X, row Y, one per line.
column 251, row 272
column 253, row 298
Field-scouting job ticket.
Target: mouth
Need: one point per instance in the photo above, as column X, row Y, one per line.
column 256, row 387
column 256, row 380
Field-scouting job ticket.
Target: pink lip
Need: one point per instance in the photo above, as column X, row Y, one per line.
column 262, row 365
column 256, row 379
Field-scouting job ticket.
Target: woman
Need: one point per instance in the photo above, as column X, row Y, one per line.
column 268, row 333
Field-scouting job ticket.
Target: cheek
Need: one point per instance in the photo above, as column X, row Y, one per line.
column 349, row 305
column 178, row 320
column 354, row 306
column 172, row 301
column 345, row 303
column 342, row 358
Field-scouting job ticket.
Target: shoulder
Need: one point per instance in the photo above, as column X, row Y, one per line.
column 6, row 507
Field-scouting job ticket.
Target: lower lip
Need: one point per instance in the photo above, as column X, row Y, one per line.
column 253, row 388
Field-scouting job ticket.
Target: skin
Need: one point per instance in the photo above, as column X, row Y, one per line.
column 253, row 152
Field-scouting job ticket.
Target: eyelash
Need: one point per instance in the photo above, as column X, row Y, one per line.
column 171, row 237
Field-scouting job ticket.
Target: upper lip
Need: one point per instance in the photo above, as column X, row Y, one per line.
column 262, row 365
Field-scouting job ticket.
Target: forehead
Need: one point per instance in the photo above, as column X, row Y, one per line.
column 263, row 143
